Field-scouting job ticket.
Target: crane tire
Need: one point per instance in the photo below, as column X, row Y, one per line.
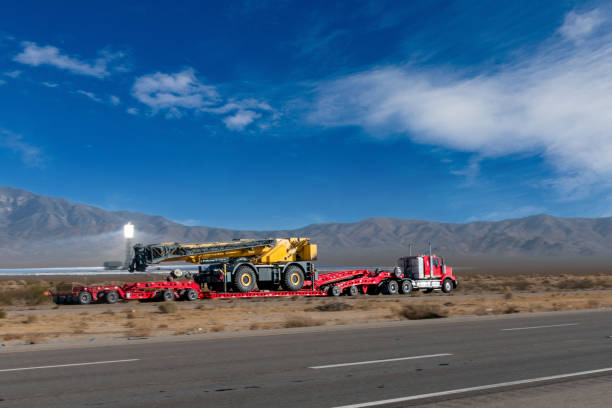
column 447, row 286
column 191, row 295
column 111, row 296
column 353, row 290
column 405, row 287
column 168, row 295
column 244, row 279
column 293, row 278
column 84, row 298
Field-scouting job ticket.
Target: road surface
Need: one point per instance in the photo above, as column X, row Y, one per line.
column 554, row 359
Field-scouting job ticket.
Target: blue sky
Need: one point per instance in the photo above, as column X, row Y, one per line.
column 278, row 114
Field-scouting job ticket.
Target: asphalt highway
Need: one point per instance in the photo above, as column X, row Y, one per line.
column 559, row 359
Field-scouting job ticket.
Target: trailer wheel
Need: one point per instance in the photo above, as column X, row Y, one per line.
column 84, row 298
column 335, row 291
column 168, row 295
column 244, row 279
column 293, row 279
column 111, row 297
column 353, row 290
column 191, row 295
column 390, row 287
column 406, row 287
column 447, row 286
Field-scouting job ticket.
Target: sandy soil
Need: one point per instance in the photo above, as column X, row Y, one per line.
column 36, row 320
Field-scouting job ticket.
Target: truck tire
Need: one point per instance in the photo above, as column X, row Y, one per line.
column 353, row 290
column 111, row 297
column 335, row 291
column 244, row 279
column 447, row 286
column 405, row 287
column 168, row 295
column 191, row 295
column 390, row 287
column 293, row 279
column 84, row 298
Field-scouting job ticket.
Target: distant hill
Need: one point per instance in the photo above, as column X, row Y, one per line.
column 37, row 230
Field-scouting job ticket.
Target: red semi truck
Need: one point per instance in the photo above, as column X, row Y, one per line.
column 419, row 272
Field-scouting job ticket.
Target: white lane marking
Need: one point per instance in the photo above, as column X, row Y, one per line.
column 478, row 388
column 69, row 365
column 380, row 361
column 541, row 327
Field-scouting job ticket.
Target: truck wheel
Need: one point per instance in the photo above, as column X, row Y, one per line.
column 244, row 279
column 191, row 295
column 447, row 286
column 390, row 288
column 112, row 297
column 335, row 291
column 293, row 279
column 353, row 290
column 168, row 295
column 84, row 298
column 406, row 287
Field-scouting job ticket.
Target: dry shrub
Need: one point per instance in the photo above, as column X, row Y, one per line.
column 577, row 284
column 168, row 308
column 140, row 332
column 2, row 314
column 35, row 339
column 162, row 326
column 593, row 304
column 520, row 284
column 425, row 311
column 508, row 295
column 78, row 331
column 332, row 307
column 108, row 312
column 13, row 336
column 31, row 294
column 301, row 321
column 30, row 319
column 511, row 309
column 217, row 328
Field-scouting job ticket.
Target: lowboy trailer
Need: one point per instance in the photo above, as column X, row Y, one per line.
column 418, row 272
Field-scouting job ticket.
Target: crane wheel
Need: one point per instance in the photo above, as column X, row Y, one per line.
column 191, row 295
column 111, row 297
column 335, row 291
column 405, row 287
column 244, row 279
column 390, row 287
column 293, row 278
column 84, row 298
column 168, row 295
column 353, row 290
column 447, row 286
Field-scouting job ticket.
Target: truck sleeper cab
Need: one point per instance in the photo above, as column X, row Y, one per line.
column 428, row 272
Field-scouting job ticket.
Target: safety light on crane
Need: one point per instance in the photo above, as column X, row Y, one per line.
column 128, row 230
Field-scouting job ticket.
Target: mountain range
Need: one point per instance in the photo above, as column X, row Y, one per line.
column 38, row 230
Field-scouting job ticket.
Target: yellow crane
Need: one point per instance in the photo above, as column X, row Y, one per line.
column 240, row 263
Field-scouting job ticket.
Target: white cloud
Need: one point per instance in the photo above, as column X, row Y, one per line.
column 172, row 92
column 30, row 155
column 35, row 55
column 132, row 111
column 13, row 74
column 90, row 95
column 50, row 84
column 114, row 100
column 240, row 119
column 578, row 26
column 556, row 104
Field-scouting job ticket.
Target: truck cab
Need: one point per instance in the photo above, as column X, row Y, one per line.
column 428, row 272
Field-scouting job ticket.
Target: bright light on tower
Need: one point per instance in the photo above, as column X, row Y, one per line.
column 128, row 230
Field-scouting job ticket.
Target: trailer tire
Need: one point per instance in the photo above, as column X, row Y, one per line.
column 111, row 296
column 335, row 291
column 405, row 287
column 244, row 279
column 191, row 295
column 447, row 286
column 353, row 290
column 390, row 287
column 168, row 295
column 293, row 278
column 84, row 298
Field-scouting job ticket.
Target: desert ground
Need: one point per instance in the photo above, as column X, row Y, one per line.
column 27, row 316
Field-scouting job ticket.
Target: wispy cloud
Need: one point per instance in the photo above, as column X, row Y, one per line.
column 35, row 55
column 114, row 100
column 13, row 74
column 182, row 91
column 555, row 104
column 132, row 111
column 50, row 84
column 578, row 26
column 30, row 155
column 90, row 95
